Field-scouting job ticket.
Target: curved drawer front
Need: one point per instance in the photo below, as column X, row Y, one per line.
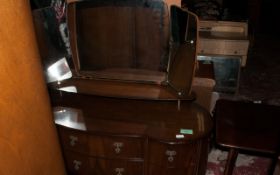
column 116, row 147
column 74, row 140
column 80, row 164
column 173, row 159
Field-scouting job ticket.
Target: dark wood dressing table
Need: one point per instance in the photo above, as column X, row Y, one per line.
column 130, row 109
column 107, row 135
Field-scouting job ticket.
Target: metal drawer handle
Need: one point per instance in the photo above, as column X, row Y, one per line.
column 119, row 171
column 73, row 140
column 77, row 164
column 118, row 146
column 170, row 155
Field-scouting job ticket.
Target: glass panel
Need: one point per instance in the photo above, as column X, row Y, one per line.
column 226, row 71
column 126, row 40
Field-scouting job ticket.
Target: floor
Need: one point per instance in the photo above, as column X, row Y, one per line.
column 259, row 81
column 245, row 164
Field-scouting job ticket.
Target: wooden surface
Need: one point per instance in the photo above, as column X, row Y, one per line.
column 122, row 89
column 247, row 127
column 224, row 26
column 146, row 131
column 28, row 139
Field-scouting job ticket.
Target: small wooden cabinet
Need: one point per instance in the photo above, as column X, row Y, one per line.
column 224, row 38
column 117, row 136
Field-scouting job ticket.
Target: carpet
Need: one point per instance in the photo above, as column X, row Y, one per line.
column 245, row 164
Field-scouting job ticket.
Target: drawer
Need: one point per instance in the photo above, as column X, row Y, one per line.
column 223, row 47
column 116, row 167
column 116, row 147
column 81, row 164
column 170, row 156
column 77, row 163
column 155, row 169
column 73, row 140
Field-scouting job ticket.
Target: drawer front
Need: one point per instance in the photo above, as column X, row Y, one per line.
column 172, row 159
column 116, row 167
column 77, row 164
column 73, row 140
column 80, row 164
column 116, row 147
column 223, row 47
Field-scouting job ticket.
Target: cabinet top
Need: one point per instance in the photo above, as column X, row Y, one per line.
column 170, row 121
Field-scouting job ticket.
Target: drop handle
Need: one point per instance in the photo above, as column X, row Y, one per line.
column 170, row 155
column 73, row 140
column 118, row 146
column 119, row 171
column 77, row 164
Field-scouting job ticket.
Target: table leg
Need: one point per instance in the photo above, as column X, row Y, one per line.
column 276, row 171
column 231, row 159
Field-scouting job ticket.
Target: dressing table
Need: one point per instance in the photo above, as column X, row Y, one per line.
column 128, row 106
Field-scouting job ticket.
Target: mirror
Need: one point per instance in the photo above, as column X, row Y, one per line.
column 127, row 40
column 184, row 43
column 142, row 42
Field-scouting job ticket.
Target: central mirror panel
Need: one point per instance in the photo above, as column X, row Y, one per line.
column 124, row 40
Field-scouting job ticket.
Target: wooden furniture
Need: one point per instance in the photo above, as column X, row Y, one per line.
column 106, row 135
column 128, row 109
column 224, row 38
column 245, row 126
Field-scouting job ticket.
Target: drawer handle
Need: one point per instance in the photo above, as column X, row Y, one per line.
column 118, row 146
column 77, row 164
column 170, row 155
column 119, row 171
column 73, row 140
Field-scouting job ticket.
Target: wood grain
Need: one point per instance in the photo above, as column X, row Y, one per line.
column 28, row 140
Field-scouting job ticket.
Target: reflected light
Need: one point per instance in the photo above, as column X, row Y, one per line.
column 69, row 118
column 69, row 89
column 58, row 71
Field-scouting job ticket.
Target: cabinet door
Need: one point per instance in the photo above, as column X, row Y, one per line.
column 172, row 159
